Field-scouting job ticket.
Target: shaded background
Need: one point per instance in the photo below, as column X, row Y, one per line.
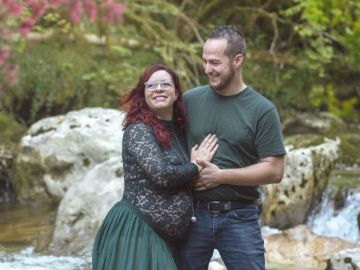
column 303, row 55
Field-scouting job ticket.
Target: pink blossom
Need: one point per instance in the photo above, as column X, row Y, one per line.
column 90, row 8
column 76, row 11
column 115, row 12
column 26, row 26
column 14, row 10
column 10, row 74
column 5, row 33
column 56, row 3
column 4, row 55
column 7, row 2
column 38, row 8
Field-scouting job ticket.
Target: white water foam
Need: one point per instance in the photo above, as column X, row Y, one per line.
column 28, row 260
column 341, row 223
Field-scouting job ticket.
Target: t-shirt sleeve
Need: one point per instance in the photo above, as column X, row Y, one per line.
column 269, row 139
column 141, row 144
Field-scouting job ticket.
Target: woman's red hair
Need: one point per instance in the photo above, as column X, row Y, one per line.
column 138, row 111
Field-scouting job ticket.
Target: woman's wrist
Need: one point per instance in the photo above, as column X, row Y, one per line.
column 197, row 165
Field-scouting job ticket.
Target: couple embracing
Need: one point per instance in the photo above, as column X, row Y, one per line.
column 192, row 167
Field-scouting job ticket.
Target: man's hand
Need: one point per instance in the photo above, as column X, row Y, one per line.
column 209, row 176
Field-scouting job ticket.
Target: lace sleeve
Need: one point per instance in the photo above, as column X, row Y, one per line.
column 140, row 143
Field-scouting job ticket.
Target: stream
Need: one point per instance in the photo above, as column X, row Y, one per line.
column 21, row 227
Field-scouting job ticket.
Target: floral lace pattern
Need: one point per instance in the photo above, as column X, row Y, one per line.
column 156, row 180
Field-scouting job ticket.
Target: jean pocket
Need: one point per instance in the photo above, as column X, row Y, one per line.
column 246, row 214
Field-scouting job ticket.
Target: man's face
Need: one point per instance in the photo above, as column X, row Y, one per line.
column 217, row 65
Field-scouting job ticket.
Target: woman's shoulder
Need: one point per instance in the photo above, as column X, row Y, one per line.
column 138, row 128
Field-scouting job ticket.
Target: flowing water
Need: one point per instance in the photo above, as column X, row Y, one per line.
column 338, row 214
column 23, row 227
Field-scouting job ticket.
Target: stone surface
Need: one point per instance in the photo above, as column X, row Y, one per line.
column 76, row 161
column 84, row 206
column 299, row 246
column 306, row 175
column 348, row 259
column 58, row 151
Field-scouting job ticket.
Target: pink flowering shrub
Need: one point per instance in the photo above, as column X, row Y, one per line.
column 19, row 18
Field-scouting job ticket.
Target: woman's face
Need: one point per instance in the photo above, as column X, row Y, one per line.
column 160, row 94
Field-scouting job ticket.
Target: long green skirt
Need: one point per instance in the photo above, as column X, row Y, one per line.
column 125, row 241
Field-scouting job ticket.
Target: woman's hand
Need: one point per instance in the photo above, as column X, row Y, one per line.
column 205, row 151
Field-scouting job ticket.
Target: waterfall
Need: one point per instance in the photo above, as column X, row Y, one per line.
column 343, row 223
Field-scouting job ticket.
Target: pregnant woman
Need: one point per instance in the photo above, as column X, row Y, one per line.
column 141, row 230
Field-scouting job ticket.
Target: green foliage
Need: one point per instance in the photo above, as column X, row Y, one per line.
column 323, row 97
column 303, row 55
column 56, row 77
column 10, row 130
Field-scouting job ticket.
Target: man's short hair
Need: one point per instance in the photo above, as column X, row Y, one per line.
column 235, row 40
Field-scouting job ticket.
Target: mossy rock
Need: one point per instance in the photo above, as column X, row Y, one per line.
column 28, row 184
column 304, row 140
column 323, row 123
column 349, row 149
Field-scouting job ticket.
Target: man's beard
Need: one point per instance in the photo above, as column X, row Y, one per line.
column 223, row 85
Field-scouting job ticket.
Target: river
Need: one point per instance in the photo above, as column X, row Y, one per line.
column 21, row 227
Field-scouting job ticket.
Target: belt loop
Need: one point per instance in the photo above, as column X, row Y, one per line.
column 227, row 206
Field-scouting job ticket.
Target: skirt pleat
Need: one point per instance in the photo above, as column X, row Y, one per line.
column 125, row 241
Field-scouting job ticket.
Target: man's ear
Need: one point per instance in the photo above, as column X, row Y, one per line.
column 238, row 60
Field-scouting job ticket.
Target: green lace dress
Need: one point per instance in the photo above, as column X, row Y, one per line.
column 138, row 232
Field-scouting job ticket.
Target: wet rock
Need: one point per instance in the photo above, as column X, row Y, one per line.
column 348, row 259
column 84, row 207
column 299, row 246
column 306, row 176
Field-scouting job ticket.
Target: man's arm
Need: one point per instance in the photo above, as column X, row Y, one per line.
column 269, row 170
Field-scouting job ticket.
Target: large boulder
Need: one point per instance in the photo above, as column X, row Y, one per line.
column 84, row 206
column 299, row 246
column 59, row 151
column 306, row 175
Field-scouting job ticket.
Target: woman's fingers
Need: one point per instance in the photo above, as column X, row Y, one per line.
column 213, row 143
column 208, row 142
column 205, row 141
column 213, row 151
column 195, row 147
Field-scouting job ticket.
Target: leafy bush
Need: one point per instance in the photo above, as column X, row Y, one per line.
column 55, row 77
column 10, row 130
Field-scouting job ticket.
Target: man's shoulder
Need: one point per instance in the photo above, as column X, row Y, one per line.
column 260, row 100
column 197, row 91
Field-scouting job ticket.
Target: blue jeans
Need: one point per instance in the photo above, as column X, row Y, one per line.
column 235, row 234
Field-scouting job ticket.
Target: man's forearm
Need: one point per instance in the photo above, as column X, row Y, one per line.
column 262, row 173
column 269, row 170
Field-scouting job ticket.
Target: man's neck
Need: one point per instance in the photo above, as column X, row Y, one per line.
column 233, row 88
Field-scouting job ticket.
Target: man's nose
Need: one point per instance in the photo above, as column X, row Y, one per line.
column 207, row 68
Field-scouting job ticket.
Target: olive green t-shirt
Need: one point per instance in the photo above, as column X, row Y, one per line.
column 247, row 126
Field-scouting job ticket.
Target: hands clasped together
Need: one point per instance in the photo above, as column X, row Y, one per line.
column 202, row 156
